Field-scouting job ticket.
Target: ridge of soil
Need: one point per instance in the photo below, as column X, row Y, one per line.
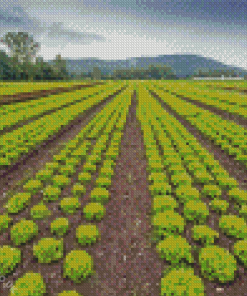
column 237, row 171
column 230, row 88
column 21, row 97
column 28, row 164
column 124, row 259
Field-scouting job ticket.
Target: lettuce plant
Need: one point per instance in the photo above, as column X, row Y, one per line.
column 60, row 226
column 87, row 234
column 23, row 231
column 9, row 258
column 48, row 250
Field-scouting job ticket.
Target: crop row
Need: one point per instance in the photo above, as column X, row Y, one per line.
column 177, row 157
column 228, row 135
column 24, row 139
column 107, row 127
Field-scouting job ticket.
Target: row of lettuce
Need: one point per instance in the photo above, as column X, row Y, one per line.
column 176, row 162
column 107, row 127
column 24, row 139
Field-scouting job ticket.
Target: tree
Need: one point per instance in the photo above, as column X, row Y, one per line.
column 60, row 68
column 96, row 73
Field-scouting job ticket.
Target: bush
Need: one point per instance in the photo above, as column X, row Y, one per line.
column 33, row 186
column 94, row 211
column 204, row 234
column 51, row 193
column 40, row 211
column 196, row 210
column 232, row 225
column 220, row 206
column 9, row 258
column 23, row 231
column 31, row 284
column 164, row 203
column 60, row 226
column 69, row 293
column 100, row 195
column 181, row 282
column 87, row 234
column 48, row 250
column 175, row 248
column 78, row 265
column 69, row 205
column 5, row 220
column 18, row 202
column 240, row 250
column 217, row 264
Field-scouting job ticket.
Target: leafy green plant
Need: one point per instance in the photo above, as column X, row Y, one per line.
column 100, row 195
column 243, row 211
column 233, row 225
column 78, row 265
column 181, row 179
column 204, row 234
column 69, row 293
column 33, row 186
column 174, row 248
column 103, row 182
column 196, row 210
column 181, row 282
column 18, row 202
column 219, row 205
column 30, row 284
column 78, row 189
column 211, row 191
column 5, row 221
column 60, row 181
column 40, row 211
column 186, row 192
column 163, row 203
column 9, row 258
column 60, row 226
column 87, row 234
column 67, row 170
column 240, row 250
column 238, row 195
column 52, row 166
column 44, row 175
column 48, row 250
column 69, row 205
column 160, row 188
column 51, row 193
column 84, row 177
column 94, row 211
column 217, row 264
column 23, row 231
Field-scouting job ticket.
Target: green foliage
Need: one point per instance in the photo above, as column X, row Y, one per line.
column 94, row 211
column 100, row 195
column 103, row 182
column 23, row 231
column 60, row 181
column 219, row 205
column 175, row 248
column 217, row 264
column 181, row 179
column 33, row 186
column 84, row 177
column 60, row 226
column 233, row 225
column 9, row 258
column 69, row 205
column 69, row 293
column 238, row 195
column 196, row 210
column 44, row 175
column 31, row 284
column 160, row 188
column 163, row 203
column 78, row 265
column 243, row 211
column 48, row 250
column 40, row 211
column 204, row 234
column 186, row 193
column 5, row 220
column 181, row 282
column 51, row 193
column 211, row 191
column 87, row 234
column 78, row 190
column 18, row 202
column 240, row 250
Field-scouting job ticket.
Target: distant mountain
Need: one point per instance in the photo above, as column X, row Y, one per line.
column 183, row 65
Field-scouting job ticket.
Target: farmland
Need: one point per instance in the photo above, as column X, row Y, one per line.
column 130, row 188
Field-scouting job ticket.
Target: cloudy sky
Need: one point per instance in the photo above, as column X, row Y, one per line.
column 120, row 29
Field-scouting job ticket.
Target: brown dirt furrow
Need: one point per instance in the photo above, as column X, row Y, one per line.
column 29, row 164
column 239, row 285
column 21, row 97
column 234, row 89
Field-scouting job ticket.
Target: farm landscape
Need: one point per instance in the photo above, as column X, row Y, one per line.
column 141, row 183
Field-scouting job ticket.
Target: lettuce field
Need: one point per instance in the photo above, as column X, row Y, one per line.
column 123, row 188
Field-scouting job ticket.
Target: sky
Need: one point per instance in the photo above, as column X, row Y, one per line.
column 121, row 29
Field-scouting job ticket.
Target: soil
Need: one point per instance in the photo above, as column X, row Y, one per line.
column 21, row 97
column 239, row 89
